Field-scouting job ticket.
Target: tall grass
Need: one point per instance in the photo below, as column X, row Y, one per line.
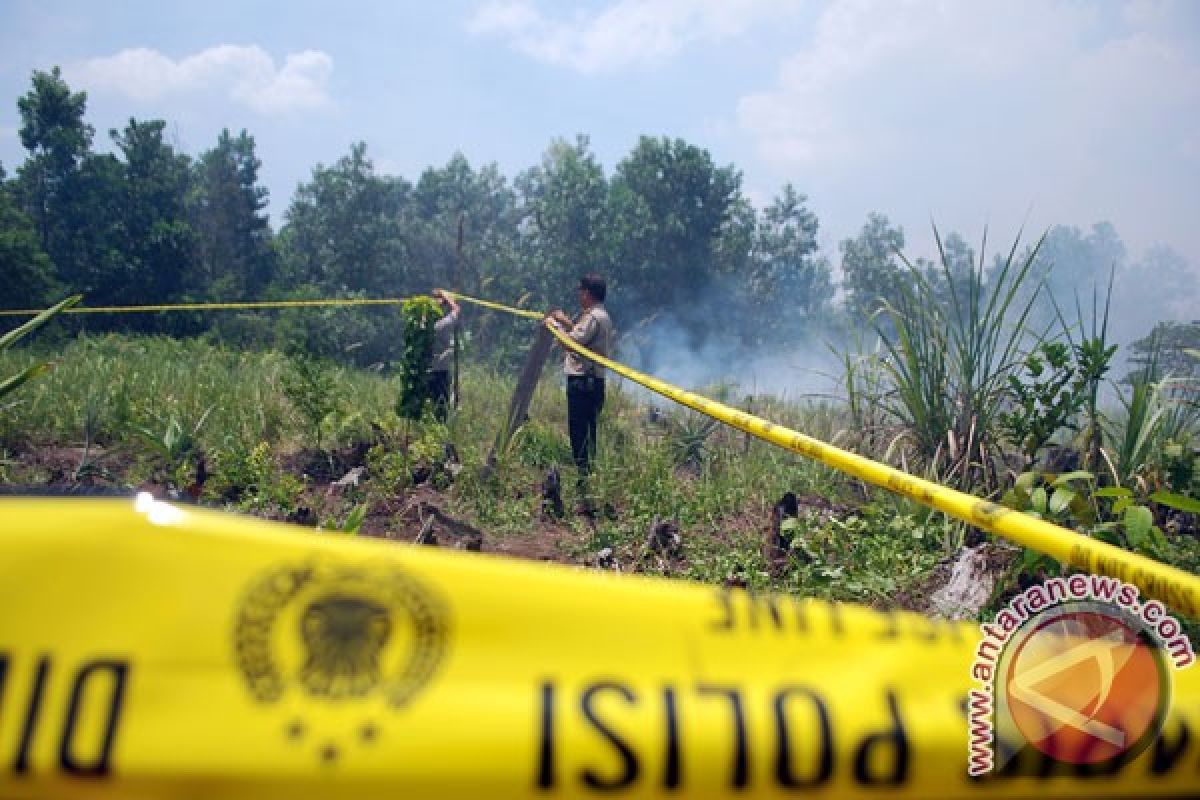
column 949, row 357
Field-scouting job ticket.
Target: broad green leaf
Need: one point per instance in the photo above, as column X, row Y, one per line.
column 21, row 378
column 1077, row 475
column 1138, row 521
column 1039, row 500
column 1060, row 501
column 1113, row 491
column 41, row 319
column 1179, row 502
column 1027, row 480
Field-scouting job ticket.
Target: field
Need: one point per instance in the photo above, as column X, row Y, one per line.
column 313, row 443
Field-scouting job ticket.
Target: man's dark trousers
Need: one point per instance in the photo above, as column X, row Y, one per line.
column 439, row 391
column 585, row 398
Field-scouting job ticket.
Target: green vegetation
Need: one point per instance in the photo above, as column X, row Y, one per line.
column 972, row 374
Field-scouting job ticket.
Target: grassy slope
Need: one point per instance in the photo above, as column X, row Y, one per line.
column 82, row 421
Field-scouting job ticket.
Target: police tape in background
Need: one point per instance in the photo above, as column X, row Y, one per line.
column 251, row 306
column 157, row 652
column 1178, row 589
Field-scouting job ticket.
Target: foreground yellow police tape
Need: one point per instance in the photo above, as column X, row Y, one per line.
column 164, row 652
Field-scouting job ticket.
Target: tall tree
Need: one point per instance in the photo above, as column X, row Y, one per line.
column 158, row 240
column 788, row 275
column 235, row 255
column 671, row 206
column 486, row 204
column 26, row 274
column 343, row 229
column 71, row 194
column 564, row 220
column 58, row 141
column 871, row 271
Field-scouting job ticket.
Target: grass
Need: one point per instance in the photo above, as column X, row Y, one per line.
column 138, row 409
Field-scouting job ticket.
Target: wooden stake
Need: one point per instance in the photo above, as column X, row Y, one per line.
column 518, row 407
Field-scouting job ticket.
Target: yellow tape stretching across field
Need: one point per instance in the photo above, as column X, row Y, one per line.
column 150, row 651
column 1178, row 589
column 255, row 305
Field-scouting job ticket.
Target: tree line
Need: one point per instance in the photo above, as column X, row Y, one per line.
column 672, row 230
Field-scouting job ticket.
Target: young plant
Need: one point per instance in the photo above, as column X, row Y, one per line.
column 14, row 382
column 310, row 386
column 949, row 362
column 420, row 314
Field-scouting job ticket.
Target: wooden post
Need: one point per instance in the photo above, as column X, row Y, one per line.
column 458, row 257
column 518, row 407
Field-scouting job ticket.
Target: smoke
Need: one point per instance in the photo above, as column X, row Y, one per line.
column 794, row 370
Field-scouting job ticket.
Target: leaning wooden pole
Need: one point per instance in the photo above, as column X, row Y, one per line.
column 458, row 257
column 518, row 407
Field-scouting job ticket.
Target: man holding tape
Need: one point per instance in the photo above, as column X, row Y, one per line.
column 443, row 353
column 585, row 379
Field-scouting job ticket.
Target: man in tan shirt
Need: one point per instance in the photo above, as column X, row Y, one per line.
column 585, row 379
column 443, row 354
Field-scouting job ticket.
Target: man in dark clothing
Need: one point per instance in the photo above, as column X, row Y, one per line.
column 585, row 379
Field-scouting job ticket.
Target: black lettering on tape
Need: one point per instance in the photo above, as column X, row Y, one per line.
column 890, row 746
column 32, row 711
column 761, row 604
column 784, row 768
column 741, row 757
column 1168, row 753
column 672, row 772
column 101, row 762
column 629, row 760
column 725, row 621
column 545, row 779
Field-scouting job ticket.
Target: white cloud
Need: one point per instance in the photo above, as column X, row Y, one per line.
column 878, row 79
column 246, row 74
column 626, row 33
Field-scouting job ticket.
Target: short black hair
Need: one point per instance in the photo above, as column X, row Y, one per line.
column 595, row 286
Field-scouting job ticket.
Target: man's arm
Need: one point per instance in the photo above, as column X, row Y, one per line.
column 442, row 294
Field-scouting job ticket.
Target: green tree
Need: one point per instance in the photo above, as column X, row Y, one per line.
column 344, row 229
column 788, row 277
column 235, row 253
column 1071, row 263
column 28, row 275
column 1165, row 352
column 58, row 141
column 72, row 195
column 871, row 270
column 158, row 240
column 486, row 205
column 1159, row 286
column 671, row 207
column 564, row 223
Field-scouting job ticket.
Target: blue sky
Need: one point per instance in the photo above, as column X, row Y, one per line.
column 972, row 113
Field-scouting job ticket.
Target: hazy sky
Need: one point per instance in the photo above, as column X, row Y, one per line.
column 972, row 113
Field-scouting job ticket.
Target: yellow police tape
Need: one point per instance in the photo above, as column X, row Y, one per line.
column 152, row 651
column 1178, row 589
column 253, row 305
column 520, row 312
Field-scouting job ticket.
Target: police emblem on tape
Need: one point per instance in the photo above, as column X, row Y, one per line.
column 339, row 634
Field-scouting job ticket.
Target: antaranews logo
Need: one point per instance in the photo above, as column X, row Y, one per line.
column 347, row 644
column 1076, row 668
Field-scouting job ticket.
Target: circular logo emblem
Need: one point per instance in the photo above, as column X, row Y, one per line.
column 339, row 634
column 1084, row 685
